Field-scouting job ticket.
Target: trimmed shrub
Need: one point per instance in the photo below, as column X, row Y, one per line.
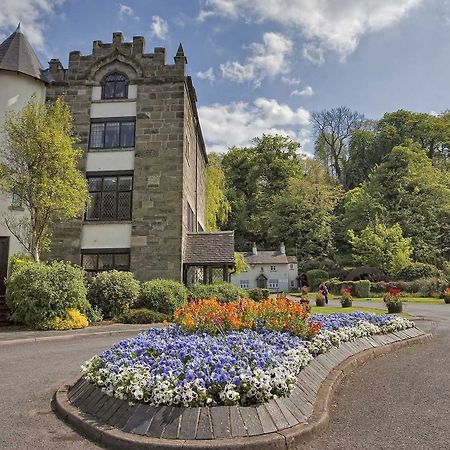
column 256, row 294
column 39, row 292
column 416, row 270
column 362, row 288
column 424, row 287
column 113, row 292
column 222, row 291
column 316, row 277
column 144, row 315
column 162, row 295
column 74, row 320
column 265, row 293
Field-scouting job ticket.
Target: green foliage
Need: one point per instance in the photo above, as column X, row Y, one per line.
column 415, row 270
column 222, row 291
column 162, row 295
column 239, row 261
column 38, row 292
column 381, row 246
column 16, row 262
column 144, row 315
column 40, row 165
column 316, row 277
column 217, row 205
column 258, row 294
column 94, row 314
column 113, row 292
column 360, row 289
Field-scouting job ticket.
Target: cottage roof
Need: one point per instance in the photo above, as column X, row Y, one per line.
column 210, row 248
column 268, row 257
column 17, row 55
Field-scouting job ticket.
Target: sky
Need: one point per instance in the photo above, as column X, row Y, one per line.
column 262, row 66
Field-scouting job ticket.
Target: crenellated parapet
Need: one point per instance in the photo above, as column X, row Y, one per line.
column 127, row 57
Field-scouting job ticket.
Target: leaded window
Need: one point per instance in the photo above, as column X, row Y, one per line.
column 111, row 197
column 115, row 85
column 112, row 133
column 94, row 261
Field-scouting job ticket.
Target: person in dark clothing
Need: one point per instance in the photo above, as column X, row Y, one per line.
column 324, row 291
column 303, row 281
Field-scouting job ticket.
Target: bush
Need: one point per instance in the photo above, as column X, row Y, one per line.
column 144, row 315
column 16, row 262
column 258, row 294
column 38, row 292
column 362, row 288
column 359, row 288
column 316, row 277
column 113, row 292
column 94, row 314
column 424, row 287
column 162, row 295
column 74, row 320
column 416, row 270
column 222, row 291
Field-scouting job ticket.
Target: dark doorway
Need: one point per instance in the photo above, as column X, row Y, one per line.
column 261, row 282
column 4, row 253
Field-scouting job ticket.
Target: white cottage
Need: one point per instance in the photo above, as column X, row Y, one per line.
column 272, row 270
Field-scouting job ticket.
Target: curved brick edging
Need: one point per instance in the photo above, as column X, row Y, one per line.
column 316, row 384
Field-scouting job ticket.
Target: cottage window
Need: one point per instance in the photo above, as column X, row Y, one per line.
column 273, row 268
column 115, row 85
column 94, row 261
column 291, row 266
column 273, row 284
column 111, row 197
column 112, row 133
column 244, row 284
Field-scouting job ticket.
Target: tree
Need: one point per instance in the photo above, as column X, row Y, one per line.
column 381, row 246
column 40, row 165
column 255, row 175
column 217, row 205
column 334, row 127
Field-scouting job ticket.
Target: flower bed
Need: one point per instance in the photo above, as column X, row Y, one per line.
column 178, row 366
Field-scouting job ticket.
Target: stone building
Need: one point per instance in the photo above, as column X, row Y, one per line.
column 144, row 158
column 273, row 270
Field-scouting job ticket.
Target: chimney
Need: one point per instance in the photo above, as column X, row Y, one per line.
column 282, row 249
column 254, row 249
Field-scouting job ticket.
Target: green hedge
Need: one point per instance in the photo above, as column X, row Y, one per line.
column 143, row 315
column 39, row 292
column 360, row 289
column 424, row 287
column 162, row 295
column 417, row 270
column 222, row 291
column 258, row 294
column 114, row 292
column 316, row 277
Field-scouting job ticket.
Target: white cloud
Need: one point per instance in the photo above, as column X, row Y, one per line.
column 335, row 25
column 159, row 28
column 268, row 59
column 237, row 123
column 313, row 53
column 31, row 14
column 290, row 80
column 307, row 91
column 207, row 75
column 125, row 10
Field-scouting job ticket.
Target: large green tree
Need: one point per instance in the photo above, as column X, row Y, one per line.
column 40, row 165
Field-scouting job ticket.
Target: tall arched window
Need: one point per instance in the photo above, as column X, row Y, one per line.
column 115, row 85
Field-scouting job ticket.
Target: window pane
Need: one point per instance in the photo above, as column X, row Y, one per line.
column 127, row 134
column 110, row 184
column 94, row 209
column 124, row 206
column 125, row 183
column 89, row 262
column 109, row 205
column 108, row 90
column 105, row 262
column 97, row 130
column 95, row 184
column 120, row 89
column 122, row 262
column 112, row 134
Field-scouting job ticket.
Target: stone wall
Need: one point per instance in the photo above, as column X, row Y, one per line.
column 158, row 191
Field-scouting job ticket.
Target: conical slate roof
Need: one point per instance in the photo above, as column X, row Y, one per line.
column 16, row 54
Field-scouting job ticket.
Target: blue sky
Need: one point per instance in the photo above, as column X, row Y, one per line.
column 264, row 65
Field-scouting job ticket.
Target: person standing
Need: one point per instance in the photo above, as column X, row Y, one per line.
column 324, row 291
